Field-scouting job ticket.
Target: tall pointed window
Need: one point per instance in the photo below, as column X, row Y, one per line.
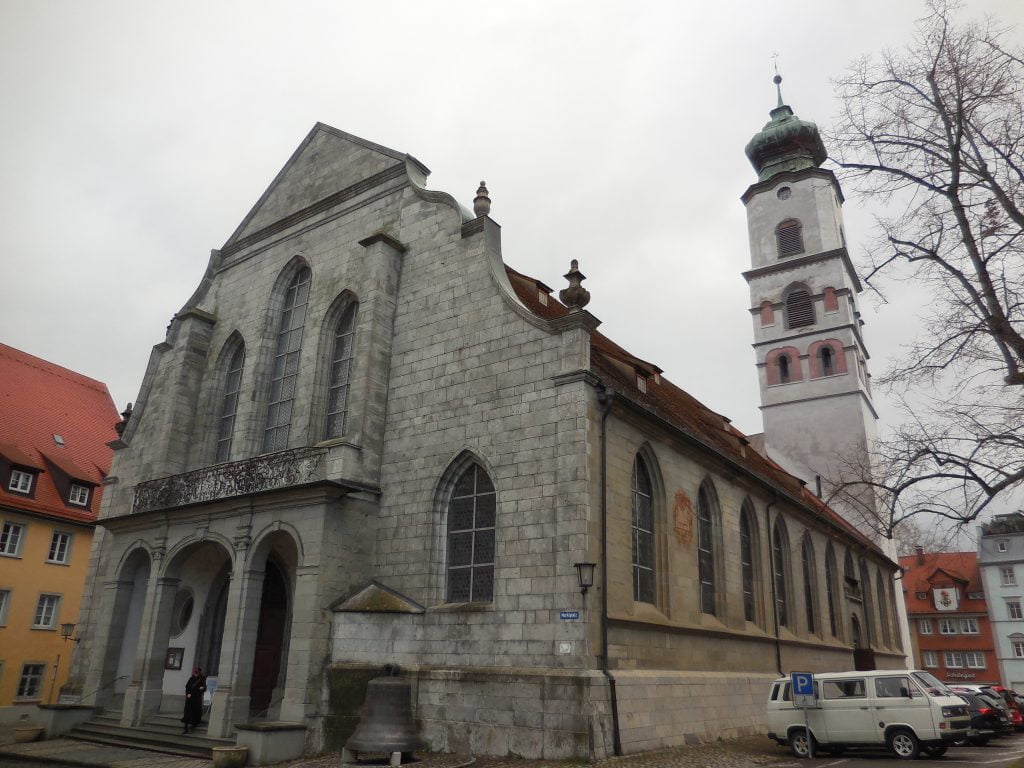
column 471, row 519
column 341, row 372
column 883, row 610
column 707, row 511
column 799, row 309
column 789, row 238
column 229, row 405
column 810, row 585
column 870, row 633
column 780, row 564
column 830, row 590
column 748, row 553
column 643, row 534
column 286, row 363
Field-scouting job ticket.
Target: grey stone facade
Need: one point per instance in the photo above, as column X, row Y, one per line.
column 311, row 567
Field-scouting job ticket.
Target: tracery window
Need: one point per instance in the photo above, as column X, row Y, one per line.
column 229, row 405
column 471, row 521
column 643, row 534
column 810, row 585
column 341, row 372
column 831, row 591
column 707, row 511
column 748, row 553
column 286, row 363
column 883, row 610
column 780, row 564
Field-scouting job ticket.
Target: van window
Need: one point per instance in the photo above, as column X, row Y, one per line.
column 843, row 689
column 775, row 692
column 896, row 688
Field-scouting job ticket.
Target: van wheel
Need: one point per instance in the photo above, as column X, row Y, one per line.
column 800, row 742
column 904, row 744
column 935, row 750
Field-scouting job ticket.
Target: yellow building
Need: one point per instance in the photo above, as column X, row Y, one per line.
column 54, row 428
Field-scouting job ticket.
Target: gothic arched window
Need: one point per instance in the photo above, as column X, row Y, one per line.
column 810, row 584
column 471, row 518
column 799, row 309
column 285, row 371
column 643, row 534
column 883, row 610
column 748, row 562
column 341, row 372
column 831, row 592
column 789, row 238
column 229, row 404
column 780, row 565
column 707, row 523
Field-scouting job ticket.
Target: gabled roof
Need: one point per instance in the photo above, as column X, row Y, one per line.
column 930, row 570
column 39, row 400
column 619, row 370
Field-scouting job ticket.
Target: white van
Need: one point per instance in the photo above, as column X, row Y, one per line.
column 907, row 711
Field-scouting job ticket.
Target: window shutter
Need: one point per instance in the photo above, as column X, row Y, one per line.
column 791, row 241
column 799, row 309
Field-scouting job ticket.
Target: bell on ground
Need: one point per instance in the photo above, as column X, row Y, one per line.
column 386, row 724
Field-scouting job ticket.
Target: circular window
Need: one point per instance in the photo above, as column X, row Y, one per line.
column 182, row 613
column 784, row 193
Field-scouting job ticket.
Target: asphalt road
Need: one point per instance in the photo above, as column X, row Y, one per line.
column 998, row 753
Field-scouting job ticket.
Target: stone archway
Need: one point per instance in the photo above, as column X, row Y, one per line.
column 125, row 627
column 270, row 640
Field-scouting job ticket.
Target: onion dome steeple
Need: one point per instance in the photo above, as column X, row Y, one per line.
column 786, row 143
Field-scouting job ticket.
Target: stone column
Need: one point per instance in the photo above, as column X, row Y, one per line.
column 230, row 703
column 309, row 644
column 146, row 689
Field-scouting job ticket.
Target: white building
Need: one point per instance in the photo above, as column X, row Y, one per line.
column 1001, row 560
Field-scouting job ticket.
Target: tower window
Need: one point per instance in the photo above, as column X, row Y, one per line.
column 782, row 361
column 828, row 366
column 789, row 237
column 799, row 309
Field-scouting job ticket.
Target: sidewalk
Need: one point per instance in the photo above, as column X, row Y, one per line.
column 736, row 753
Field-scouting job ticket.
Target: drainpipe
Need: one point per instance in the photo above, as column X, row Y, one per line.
column 605, row 399
column 771, row 578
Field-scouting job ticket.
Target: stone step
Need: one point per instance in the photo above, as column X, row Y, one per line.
column 155, row 739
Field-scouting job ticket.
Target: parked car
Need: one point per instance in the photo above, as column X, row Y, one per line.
column 906, row 711
column 1009, row 698
column 986, row 718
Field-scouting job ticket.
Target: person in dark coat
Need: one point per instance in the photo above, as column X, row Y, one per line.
column 194, row 690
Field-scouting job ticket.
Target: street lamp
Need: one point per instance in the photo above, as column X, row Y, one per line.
column 67, row 630
column 585, row 574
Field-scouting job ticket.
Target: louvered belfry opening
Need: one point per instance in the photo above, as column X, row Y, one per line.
column 799, row 309
column 791, row 241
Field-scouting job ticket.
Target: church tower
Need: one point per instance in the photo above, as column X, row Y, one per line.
column 819, row 420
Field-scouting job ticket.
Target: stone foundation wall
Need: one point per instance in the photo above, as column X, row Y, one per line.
column 558, row 714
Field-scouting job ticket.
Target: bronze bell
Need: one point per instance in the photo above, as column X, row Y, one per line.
column 386, row 724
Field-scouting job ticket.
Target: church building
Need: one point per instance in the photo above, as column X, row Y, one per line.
column 367, row 440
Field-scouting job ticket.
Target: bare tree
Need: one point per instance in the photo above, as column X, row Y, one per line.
column 935, row 133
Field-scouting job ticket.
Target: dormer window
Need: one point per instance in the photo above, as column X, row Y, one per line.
column 79, row 495
column 21, row 481
column 641, row 383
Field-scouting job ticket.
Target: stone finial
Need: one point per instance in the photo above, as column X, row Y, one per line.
column 575, row 297
column 126, row 414
column 482, row 203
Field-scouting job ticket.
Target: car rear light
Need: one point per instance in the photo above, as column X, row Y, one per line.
column 1016, row 716
column 985, row 711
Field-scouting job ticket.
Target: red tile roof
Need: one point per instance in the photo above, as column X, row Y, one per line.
column 619, row 369
column 941, row 569
column 37, row 401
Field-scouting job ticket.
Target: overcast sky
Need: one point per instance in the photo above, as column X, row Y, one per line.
column 135, row 136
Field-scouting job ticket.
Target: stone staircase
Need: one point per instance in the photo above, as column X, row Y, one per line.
column 160, row 733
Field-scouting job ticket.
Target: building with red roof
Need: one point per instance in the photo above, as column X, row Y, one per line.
column 949, row 620
column 54, row 428
column 365, row 439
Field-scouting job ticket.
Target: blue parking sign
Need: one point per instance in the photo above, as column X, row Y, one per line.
column 803, row 683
